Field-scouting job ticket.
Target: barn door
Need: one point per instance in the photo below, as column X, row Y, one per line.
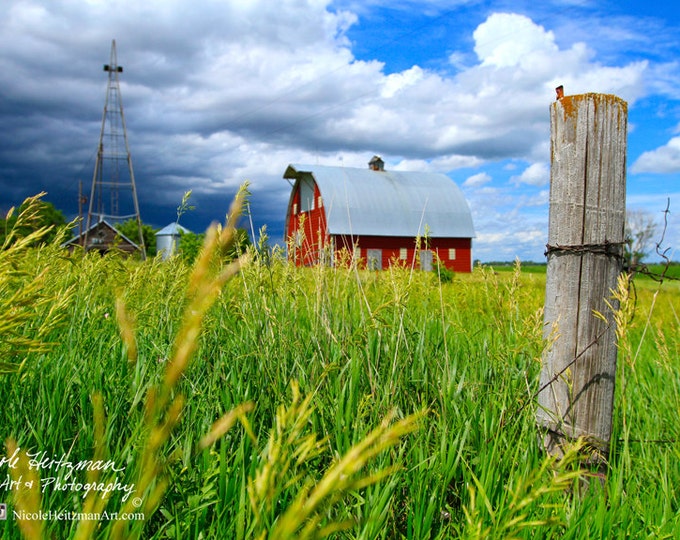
column 426, row 260
column 374, row 257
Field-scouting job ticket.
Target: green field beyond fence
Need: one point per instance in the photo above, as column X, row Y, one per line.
column 312, row 402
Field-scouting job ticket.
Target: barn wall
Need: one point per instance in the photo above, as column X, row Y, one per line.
column 402, row 250
column 307, row 231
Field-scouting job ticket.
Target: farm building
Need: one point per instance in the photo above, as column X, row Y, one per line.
column 379, row 217
column 103, row 237
column 168, row 238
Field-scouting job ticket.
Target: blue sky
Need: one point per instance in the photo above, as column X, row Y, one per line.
column 217, row 92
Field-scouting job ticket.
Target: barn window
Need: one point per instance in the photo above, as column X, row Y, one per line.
column 306, row 194
column 403, row 254
column 452, row 254
column 295, row 209
column 319, row 202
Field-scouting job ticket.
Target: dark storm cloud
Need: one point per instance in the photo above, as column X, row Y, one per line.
column 216, row 93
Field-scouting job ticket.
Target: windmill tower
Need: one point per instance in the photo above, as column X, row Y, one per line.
column 113, row 197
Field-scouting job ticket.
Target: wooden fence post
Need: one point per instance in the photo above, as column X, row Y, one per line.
column 585, row 258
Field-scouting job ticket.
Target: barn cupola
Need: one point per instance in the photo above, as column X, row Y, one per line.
column 376, row 164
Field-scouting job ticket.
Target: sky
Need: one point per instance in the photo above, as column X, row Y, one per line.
column 219, row 92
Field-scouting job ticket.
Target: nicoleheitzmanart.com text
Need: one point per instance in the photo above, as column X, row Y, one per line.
column 51, row 515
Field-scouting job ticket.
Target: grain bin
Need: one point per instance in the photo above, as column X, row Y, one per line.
column 167, row 239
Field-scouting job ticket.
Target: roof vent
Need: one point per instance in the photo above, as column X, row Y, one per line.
column 376, row 164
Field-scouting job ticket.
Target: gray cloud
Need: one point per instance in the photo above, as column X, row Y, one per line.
column 216, row 93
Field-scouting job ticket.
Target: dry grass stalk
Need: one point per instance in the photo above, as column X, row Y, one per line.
column 224, row 424
column 303, row 517
column 25, row 296
column 163, row 409
column 512, row 519
column 27, row 499
column 163, row 405
column 127, row 331
column 95, row 502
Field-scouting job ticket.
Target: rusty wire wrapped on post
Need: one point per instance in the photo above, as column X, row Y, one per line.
column 610, row 249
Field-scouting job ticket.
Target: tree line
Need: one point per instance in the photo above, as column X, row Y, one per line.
column 47, row 215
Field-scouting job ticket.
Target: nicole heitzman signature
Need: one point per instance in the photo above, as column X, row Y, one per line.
column 43, row 461
column 65, row 471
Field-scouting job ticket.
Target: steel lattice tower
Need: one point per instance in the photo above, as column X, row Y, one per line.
column 113, row 167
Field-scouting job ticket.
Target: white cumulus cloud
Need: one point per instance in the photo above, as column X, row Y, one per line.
column 536, row 174
column 665, row 159
column 477, row 180
column 508, row 39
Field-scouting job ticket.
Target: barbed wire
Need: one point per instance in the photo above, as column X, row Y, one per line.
column 611, row 249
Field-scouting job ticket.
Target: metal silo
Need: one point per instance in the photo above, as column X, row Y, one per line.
column 167, row 239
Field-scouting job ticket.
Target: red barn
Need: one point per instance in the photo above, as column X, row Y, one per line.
column 377, row 216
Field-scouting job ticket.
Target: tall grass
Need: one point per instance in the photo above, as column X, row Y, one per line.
column 384, row 405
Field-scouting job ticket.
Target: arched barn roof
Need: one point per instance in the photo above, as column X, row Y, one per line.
column 388, row 203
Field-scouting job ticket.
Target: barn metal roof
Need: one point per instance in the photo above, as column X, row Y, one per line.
column 389, row 203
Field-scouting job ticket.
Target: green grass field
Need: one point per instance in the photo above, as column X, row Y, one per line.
column 312, row 402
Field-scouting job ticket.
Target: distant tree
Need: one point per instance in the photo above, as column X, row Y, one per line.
column 131, row 232
column 190, row 245
column 45, row 215
column 640, row 230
